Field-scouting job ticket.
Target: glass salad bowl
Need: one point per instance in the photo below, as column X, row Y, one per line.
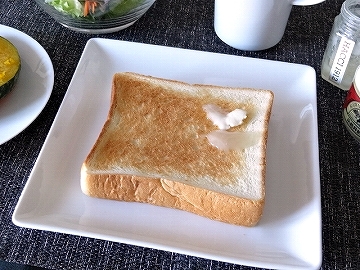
column 96, row 16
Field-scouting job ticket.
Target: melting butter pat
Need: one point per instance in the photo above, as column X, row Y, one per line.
column 237, row 140
column 223, row 139
column 222, row 119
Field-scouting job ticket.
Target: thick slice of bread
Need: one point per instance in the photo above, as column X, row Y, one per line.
column 155, row 148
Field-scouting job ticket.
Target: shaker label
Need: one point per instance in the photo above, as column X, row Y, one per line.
column 352, row 118
column 351, row 112
column 341, row 60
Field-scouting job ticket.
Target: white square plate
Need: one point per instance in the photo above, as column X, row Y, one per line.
column 289, row 234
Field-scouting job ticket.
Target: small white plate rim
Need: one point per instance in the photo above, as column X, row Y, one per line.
column 24, row 103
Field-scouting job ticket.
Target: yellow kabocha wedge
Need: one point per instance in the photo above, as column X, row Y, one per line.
column 10, row 65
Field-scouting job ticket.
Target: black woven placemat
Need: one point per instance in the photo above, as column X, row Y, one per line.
column 185, row 24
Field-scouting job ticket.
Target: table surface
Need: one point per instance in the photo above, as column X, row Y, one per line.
column 183, row 24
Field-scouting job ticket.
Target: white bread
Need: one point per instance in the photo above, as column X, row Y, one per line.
column 153, row 148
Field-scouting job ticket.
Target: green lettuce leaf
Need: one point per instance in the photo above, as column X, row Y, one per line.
column 72, row 7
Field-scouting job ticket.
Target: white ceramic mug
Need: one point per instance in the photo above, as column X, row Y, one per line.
column 253, row 25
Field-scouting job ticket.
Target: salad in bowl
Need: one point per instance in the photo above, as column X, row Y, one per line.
column 96, row 16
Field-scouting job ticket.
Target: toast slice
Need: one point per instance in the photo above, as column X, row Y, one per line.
column 161, row 144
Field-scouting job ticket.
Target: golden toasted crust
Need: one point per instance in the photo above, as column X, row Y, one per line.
column 137, row 106
column 161, row 192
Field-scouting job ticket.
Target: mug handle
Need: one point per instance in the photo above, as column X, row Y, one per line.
column 306, row 2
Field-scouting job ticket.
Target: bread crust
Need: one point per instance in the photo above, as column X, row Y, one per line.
column 172, row 194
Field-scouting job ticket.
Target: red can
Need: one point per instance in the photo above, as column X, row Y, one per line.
column 351, row 108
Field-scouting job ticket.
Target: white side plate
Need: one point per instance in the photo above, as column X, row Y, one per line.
column 289, row 233
column 23, row 104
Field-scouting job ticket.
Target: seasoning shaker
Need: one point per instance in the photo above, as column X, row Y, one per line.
column 342, row 55
column 351, row 107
